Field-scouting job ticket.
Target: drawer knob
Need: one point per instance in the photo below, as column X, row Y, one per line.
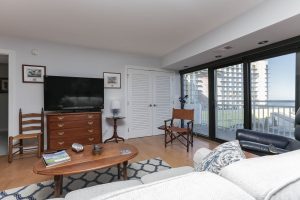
column 61, row 143
column 90, row 116
column 91, row 139
column 60, row 133
column 91, row 123
column 60, row 118
column 91, row 130
column 60, row 125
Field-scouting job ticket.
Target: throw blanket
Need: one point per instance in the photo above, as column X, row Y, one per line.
column 192, row 186
column 269, row 177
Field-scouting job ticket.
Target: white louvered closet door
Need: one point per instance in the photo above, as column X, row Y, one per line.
column 139, row 101
column 162, row 101
column 149, row 101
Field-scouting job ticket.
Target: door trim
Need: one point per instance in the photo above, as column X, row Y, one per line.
column 12, row 126
column 127, row 67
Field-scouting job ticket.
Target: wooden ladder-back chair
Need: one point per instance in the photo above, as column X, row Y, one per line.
column 31, row 127
column 176, row 132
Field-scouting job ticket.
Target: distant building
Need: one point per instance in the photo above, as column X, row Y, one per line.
column 229, row 85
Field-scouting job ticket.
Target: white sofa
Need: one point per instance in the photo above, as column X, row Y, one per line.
column 262, row 178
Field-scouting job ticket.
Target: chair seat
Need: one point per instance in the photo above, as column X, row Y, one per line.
column 178, row 129
column 26, row 136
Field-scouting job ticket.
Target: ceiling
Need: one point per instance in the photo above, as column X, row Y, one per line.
column 278, row 32
column 153, row 27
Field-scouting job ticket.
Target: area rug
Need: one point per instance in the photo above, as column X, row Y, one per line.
column 44, row 190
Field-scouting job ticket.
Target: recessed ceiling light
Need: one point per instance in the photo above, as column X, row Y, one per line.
column 218, row 56
column 263, row 42
column 227, row 47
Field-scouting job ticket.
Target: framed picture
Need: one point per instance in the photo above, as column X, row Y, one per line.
column 112, row 80
column 3, row 85
column 33, row 73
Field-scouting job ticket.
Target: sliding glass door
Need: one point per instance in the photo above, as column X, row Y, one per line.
column 273, row 95
column 229, row 101
column 196, row 87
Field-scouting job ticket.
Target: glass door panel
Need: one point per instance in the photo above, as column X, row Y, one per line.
column 273, row 95
column 229, row 101
column 196, row 87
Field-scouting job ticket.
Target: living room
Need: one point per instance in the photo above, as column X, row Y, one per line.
column 220, row 71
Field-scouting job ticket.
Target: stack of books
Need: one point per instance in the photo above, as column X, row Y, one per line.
column 52, row 159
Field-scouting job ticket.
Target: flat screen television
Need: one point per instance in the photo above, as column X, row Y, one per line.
column 73, row 93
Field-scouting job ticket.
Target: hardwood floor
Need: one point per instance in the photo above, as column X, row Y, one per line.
column 19, row 172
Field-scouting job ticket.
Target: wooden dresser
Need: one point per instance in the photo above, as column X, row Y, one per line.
column 64, row 129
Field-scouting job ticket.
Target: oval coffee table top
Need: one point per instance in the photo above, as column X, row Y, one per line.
column 87, row 161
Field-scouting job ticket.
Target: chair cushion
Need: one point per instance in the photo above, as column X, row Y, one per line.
column 220, row 157
column 90, row 192
column 157, row 176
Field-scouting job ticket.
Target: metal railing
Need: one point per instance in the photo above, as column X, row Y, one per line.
column 274, row 117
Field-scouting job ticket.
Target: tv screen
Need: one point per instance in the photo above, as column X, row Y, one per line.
column 73, row 93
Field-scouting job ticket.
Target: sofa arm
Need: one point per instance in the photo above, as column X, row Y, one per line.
column 199, row 155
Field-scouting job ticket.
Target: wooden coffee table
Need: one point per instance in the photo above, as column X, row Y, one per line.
column 87, row 161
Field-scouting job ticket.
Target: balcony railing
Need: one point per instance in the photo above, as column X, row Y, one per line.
column 274, row 117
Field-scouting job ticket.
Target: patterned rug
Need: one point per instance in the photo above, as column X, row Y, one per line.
column 44, row 190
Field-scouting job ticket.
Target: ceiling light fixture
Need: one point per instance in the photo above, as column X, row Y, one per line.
column 227, row 47
column 263, row 42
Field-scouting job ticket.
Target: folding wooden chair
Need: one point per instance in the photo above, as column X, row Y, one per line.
column 175, row 132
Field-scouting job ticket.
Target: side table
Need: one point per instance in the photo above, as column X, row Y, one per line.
column 115, row 136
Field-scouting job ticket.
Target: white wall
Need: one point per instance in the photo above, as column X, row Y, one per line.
column 67, row 60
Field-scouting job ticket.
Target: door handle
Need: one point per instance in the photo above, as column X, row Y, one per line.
column 154, row 105
column 150, row 105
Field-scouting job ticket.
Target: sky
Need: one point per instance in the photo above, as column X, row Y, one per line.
column 282, row 72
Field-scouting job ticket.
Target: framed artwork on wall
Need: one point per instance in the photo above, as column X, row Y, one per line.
column 3, row 85
column 112, row 80
column 33, row 73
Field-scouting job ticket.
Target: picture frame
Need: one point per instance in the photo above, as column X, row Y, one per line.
column 3, row 85
column 33, row 73
column 112, row 80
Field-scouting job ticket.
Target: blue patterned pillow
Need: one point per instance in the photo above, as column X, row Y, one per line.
column 221, row 156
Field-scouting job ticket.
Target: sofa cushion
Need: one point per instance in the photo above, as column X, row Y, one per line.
column 90, row 192
column 267, row 176
column 199, row 155
column 191, row 186
column 157, row 176
column 220, row 157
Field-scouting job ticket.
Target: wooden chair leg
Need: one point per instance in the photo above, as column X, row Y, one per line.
column 192, row 144
column 21, row 146
column 42, row 143
column 39, row 149
column 187, row 142
column 10, row 149
column 165, row 139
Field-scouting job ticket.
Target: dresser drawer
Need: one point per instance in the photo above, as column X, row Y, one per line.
column 73, row 132
column 64, row 143
column 89, row 124
column 77, row 117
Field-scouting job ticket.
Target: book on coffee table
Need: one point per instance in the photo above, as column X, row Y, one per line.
column 52, row 159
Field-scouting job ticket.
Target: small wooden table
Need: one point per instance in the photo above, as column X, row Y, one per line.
column 115, row 136
column 87, row 161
